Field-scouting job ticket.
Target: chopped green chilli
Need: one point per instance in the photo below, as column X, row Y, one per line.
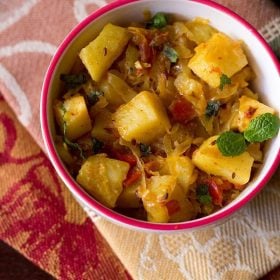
column 231, row 143
column 170, row 53
column 224, row 80
column 159, row 20
column 262, row 128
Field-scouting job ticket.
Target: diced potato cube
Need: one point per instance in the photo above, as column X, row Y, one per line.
column 100, row 54
column 159, row 189
column 103, row 177
column 102, row 128
column 249, row 109
column 128, row 198
column 143, row 118
column 166, row 201
column 219, row 55
column 182, row 167
column 73, row 111
column 236, row 169
column 116, row 90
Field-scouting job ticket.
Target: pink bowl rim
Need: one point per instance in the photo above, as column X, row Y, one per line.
column 80, row 193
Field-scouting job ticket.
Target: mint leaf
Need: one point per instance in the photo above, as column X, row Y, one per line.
column 231, row 143
column 262, row 128
column 224, row 80
column 170, row 53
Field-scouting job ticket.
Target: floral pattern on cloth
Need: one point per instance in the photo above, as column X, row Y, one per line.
column 40, row 218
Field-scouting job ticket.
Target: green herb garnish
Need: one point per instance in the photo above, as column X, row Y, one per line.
column 231, row 143
column 262, row 128
column 203, row 195
column 73, row 80
column 145, row 149
column 170, row 53
column 159, row 20
column 212, row 108
column 97, row 145
column 224, row 80
column 93, row 96
column 72, row 145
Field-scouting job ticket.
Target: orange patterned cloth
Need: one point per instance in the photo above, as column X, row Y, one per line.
column 40, row 218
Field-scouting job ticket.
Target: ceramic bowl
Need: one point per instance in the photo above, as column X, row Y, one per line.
column 123, row 12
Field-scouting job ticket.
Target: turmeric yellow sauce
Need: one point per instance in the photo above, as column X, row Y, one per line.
column 154, row 119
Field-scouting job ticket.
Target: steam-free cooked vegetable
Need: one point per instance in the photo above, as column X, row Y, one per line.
column 161, row 121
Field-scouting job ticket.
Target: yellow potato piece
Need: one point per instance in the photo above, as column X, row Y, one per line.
column 102, row 177
column 116, row 90
column 100, row 54
column 249, row 109
column 73, row 111
column 183, row 168
column 219, row 55
column 209, row 159
column 159, row 190
column 143, row 118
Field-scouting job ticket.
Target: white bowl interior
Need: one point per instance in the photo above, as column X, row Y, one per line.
column 267, row 82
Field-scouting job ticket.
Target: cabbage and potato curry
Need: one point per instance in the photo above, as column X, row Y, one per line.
column 158, row 120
